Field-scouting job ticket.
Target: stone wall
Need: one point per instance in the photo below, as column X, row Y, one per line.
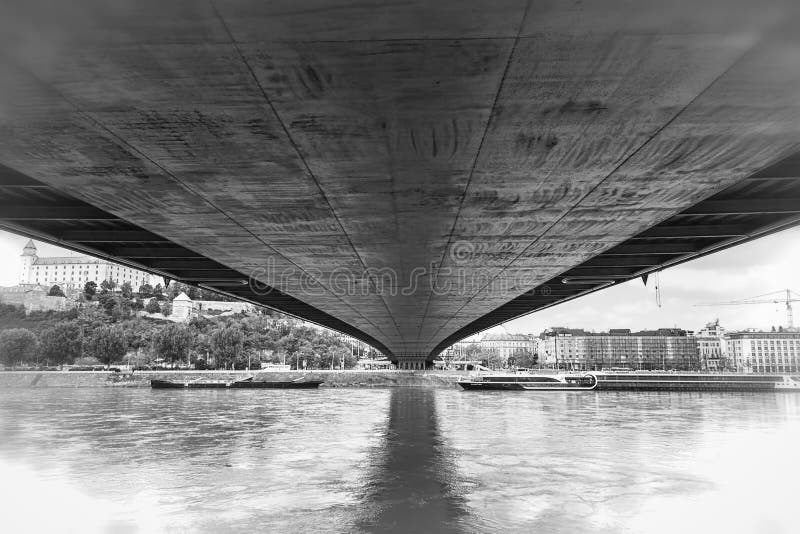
column 218, row 305
column 36, row 301
column 184, row 309
column 77, row 379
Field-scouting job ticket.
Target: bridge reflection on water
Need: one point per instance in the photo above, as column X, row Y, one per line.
column 414, row 484
column 396, row 460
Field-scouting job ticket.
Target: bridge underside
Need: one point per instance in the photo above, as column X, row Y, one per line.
column 406, row 173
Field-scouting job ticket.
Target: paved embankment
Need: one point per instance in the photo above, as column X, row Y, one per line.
column 79, row 379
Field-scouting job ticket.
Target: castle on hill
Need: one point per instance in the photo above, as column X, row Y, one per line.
column 74, row 271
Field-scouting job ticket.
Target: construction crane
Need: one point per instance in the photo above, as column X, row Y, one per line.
column 785, row 296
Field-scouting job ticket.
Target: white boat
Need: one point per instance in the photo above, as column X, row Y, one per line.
column 531, row 382
column 789, row 383
column 635, row 381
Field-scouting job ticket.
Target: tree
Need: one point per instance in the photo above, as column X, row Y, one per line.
column 289, row 344
column 172, row 290
column 17, row 345
column 176, row 288
column 145, row 291
column 61, row 344
column 91, row 317
column 192, row 292
column 227, row 344
column 152, row 306
column 174, row 343
column 139, row 334
column 341, row 356
column 127, row 290
column 158, row 292
column 123, row 307
column 205, row 294
column 493, row 358
column 166, row 309
column 107, row 344
column 473, row 352
column 11, row 314
column 89, row 290
column 306, row 353
column 524, row 358
column 107, row 285
column 108, row 303
column 55, row 291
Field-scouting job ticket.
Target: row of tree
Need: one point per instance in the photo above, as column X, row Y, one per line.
column 94, row 335
column 61, row 344
column 144, row 292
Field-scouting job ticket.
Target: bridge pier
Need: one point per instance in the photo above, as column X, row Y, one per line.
column 411, row 361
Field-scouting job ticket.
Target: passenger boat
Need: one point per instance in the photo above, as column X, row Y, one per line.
column 790, row 383
column 247, row 383
column 530, row 382
column 637, row 381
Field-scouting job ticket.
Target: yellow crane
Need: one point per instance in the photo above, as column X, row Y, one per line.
column 784, row 296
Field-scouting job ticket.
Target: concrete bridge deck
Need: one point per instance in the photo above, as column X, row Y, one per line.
column 409, row 173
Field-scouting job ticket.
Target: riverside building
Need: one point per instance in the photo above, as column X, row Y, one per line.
column 712, row 345
column 461, row 349
column 665, row 348
column 497, row 345
column 765, row 352
column 505, row 344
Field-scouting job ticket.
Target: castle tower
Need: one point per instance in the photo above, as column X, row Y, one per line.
column 28, row 259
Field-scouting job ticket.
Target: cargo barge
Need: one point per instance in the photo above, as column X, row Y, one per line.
column 634, row 381
column 247, row 383
column 666, row 381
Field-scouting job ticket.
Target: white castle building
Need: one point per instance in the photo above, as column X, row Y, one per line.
column 75, row 271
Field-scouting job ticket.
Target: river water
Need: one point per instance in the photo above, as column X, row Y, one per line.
column 397, row 460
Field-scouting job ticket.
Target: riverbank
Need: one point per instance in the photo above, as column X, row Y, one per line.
column 336, row 379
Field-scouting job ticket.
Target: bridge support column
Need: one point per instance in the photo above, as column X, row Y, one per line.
column 411, row 361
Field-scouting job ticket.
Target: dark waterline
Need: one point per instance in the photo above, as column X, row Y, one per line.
column 397, row 460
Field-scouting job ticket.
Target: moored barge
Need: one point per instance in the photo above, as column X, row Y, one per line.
column 247, row 383
column 666, row 381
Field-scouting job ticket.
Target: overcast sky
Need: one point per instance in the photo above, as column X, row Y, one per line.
column 765, row 265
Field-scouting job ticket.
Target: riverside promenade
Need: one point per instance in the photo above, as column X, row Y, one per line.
column 355, row 379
